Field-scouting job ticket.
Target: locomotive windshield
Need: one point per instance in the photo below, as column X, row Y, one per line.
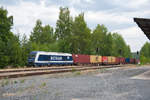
column 31, row 58
column 32, row 55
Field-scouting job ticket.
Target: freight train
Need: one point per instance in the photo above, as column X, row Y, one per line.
column 41, row 58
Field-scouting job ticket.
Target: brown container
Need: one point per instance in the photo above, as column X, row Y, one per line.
column 117, row 60
column 122, row 60
column 132, row 61
column 95, row 59
column 81, row 59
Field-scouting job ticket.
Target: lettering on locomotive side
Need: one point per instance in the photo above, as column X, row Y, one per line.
column 56, row 58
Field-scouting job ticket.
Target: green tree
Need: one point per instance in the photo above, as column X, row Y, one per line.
column 101, row 41
column 25, row 48
column 4, row 59
column 37, row 32
column 120, row 48
column 108, row 42
column 145, row 53
column 42, row 37
column 14, row 51
column 64, row 30
column 145, row 50
column 81, row 36
column 128, row 51
column 6, row 23
column 47, row 35
column 64, row 24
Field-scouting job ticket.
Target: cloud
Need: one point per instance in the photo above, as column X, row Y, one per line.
column 74, row 2
column 114, row 20
column 9, row 2
column 132, row 4
column 105, row 17
column 116, row 15
column 122, row 23
column 133, row 37
column 90, row 1
column 26, row 14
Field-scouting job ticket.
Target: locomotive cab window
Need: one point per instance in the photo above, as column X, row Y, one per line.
column 43, row 58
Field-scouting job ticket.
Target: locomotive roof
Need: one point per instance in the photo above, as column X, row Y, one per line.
column 55, row 53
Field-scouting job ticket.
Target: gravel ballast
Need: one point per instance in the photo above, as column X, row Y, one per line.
column 102, row 84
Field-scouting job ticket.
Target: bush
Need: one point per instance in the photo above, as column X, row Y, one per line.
column 144, row 60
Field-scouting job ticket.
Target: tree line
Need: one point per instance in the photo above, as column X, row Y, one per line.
column 145, row 53
column 71, row 35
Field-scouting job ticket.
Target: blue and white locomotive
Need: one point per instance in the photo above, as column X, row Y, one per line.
column 41, row 58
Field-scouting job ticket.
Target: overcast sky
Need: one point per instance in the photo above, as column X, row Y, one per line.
column 116, row 15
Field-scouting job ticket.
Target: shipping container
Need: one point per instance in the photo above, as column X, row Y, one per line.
column 81, row 59
column 132, row 61
column 104, row 60
column 127, row 60
column 95, row 59
column 109, row 59
column 117, row 60
column 100, row 59
column 122, row 60
column 113, row 59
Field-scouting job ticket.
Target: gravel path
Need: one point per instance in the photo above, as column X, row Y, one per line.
column 104, row 84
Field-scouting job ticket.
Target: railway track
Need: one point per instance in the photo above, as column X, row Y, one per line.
column 14, row 73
